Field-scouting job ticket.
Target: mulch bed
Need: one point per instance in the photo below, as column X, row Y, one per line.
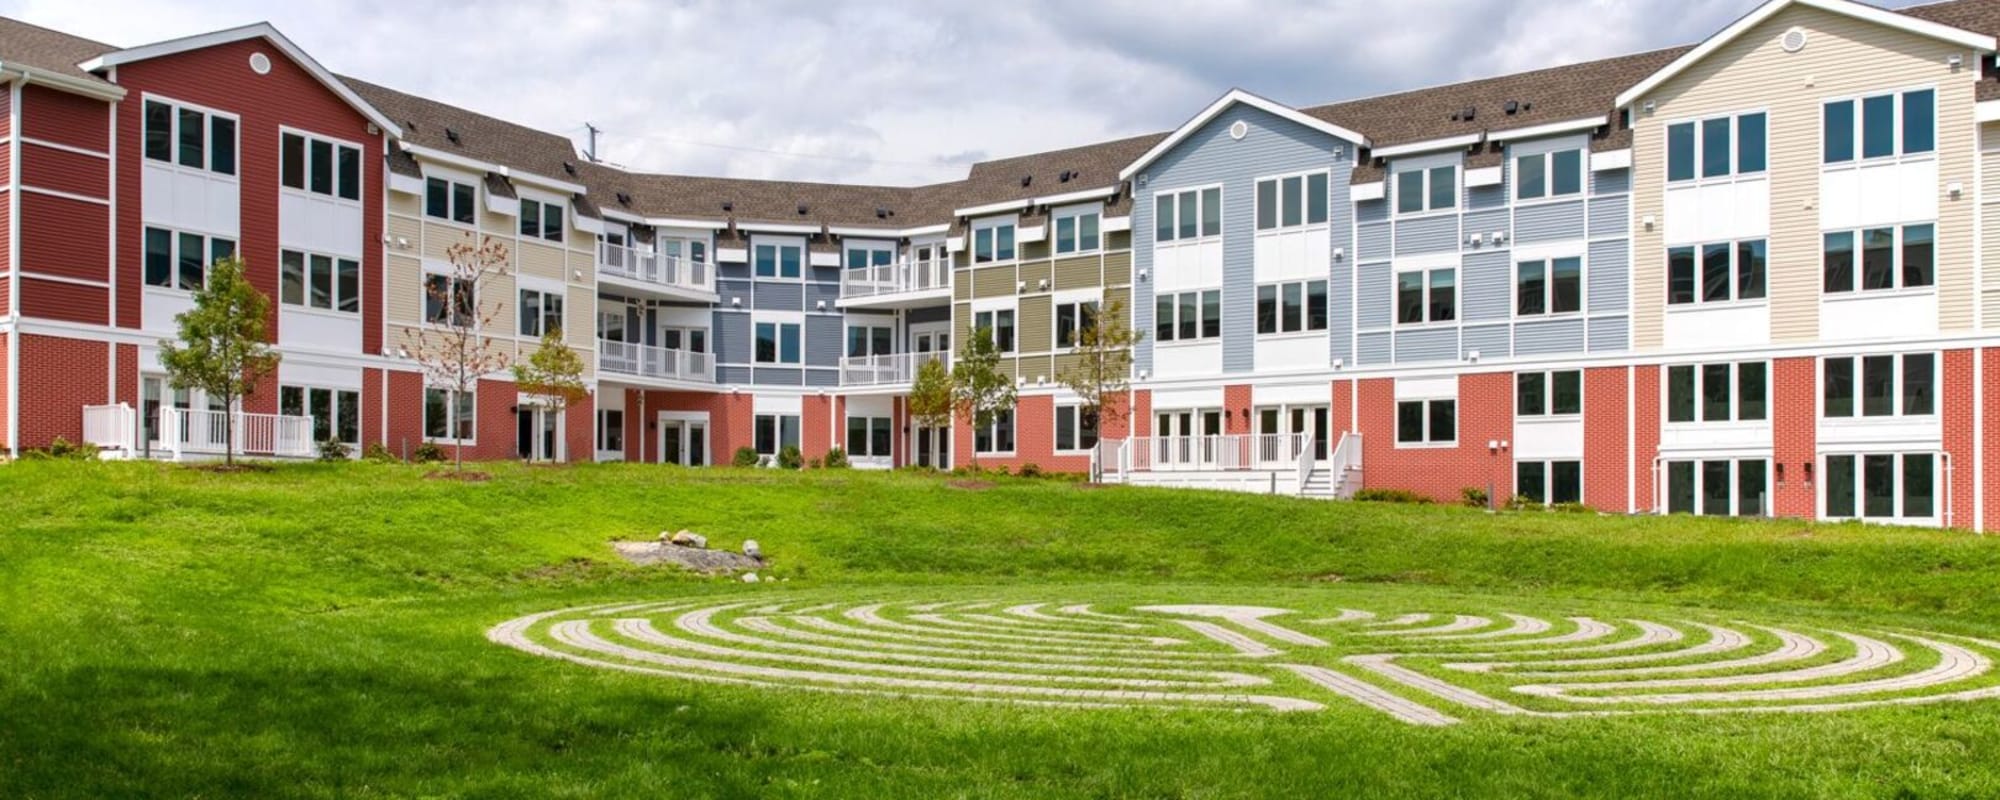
column 468, row 476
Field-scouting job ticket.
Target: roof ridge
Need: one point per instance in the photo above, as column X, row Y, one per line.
column 108, row 47
column 1505, row 75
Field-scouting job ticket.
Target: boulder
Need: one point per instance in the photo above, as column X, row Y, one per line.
column 689, row 539
column 752, row 549
column 749, row 577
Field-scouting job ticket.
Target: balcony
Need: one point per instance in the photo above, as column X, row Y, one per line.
column 658, row 273
column 198, row 433
column 904, row 284
column 894, row 369
column 660, row 363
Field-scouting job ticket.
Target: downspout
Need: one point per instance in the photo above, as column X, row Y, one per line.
column 111, row 274
column 14, row 267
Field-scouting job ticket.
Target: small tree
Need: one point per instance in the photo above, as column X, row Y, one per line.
column 450, row 346
column 554, row 372
column 222, row 349
column 1100, row 372
column 931, row 398
column 979, row 390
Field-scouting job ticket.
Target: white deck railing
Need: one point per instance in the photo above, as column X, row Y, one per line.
column 896, row 278
column 1254, row 451
column 646, row 361
column 886, row 370
column 114, row 427
column 659, row 269
column 1346, row 464
column 184, row 432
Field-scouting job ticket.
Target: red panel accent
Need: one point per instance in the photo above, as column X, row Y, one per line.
column 1606, row 454
column 1794, row 437
column 1236, row 409
column 371, row 408
column 59, row 376
column 1142, row 413
column 1342, row 410
column 65, row 171
column 60, row 236
column 1645, row 436
column 1958, row 435
column 127, row 390
column 5, row 399
column 1990, row 436
column 64, row 301
column 65, row 118
column 816, row 434
column 1485, row 413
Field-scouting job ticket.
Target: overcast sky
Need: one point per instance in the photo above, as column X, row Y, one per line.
column 882, row 91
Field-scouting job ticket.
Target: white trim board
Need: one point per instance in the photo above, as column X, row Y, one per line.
column 1231, row 98
column 262, row 30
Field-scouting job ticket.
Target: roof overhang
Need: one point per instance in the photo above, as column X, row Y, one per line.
column 1066, row 198
column 1860, row 11
column 99, row 90
column 1430, row 145
column 258, row 30
column 455, row 160
column 1549, row 129
column 1001, row 207
column 779, row 227
column 1223, row 103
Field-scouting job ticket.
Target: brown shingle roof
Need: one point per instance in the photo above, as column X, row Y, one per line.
column 431, row 124
column 48, row 50
column 685, row 196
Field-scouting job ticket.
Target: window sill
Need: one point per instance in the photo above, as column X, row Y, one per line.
column 328, row 198
column 450, row 223
column 1549, row 200
column 1554, row 317
column 1520, row 417
column 1157, row 242
column 1305, row 226
column 1862, row 295
column 453, row 442
column 1414, row 216
column 1319, row 333
column 1097, row 251
column 1720, row 180
column 200, row 172
column 1424, row 326
column 1688, row 308
column 1859, row 162
column 995, row 453
column 328, row 313
column 1168, row 344
column 1453, row 445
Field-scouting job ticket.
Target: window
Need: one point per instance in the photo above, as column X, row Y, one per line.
column 999, row 325
column 177, row 260
column 997, row 437
column 190, row 137
column 1187, row 316
column 777, row 343
column 336, row 413
column 1549, row 286
column 1190, row 214
column 1426, row 422
column 1556, row 174
column 611, row 430
column 1721, row 392
column 541, row 220
column 1420, row 190
column 870, row 437
column 1548, row 393
column 1077, row 232
column 449, row 414
column 1884, row 390
column 1291, row 307
column 1426, row 296
column 329, row 168
column 992, row 241
column 310, row 280
column 1882, row 126
column 1717, row 273
column 1291, row 201
column 449, row 300
column 1717, row 148
column 449, row 200
column 775, row 432
column 870, row 254
column 870, row 340
column 1883, row 265
column 778, row 260
column 1075, row 429
column 541, row 312
column 1881, row 486
column 1549, row 482
column 1072, row 319
column 1718, row 487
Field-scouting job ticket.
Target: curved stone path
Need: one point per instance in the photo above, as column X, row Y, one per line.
column 1420, row 668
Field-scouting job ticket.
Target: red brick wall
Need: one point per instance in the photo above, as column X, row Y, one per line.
column 1645, row 436
column 816, row 422
column 127, row 376
column 580, row 432
column 1485, row 413
column 1990, row 436
column 1034, row 441
column 1142, row 413
column 5, row 399
column 1607, row 458
column 59, row 376
column 1342, row 409
column 373, row 429
column 1956, row 406
column 1794, row 436
column 1236, row 409
column 729, row 422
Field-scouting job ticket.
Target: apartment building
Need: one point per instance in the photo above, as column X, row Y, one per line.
column 1743, row 277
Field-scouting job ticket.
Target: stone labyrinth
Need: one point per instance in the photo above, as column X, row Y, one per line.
column 1423, row 669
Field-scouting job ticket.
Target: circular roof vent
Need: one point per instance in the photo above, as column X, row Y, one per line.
column 260, row 63
column 1794, row 40
column 1238, row 130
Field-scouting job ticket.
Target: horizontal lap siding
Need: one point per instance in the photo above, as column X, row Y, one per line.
column 824, row 340
column 1373, row 348
column 1548, row 337
column 1610, row 334
column 1488, row 286
column 1375, row 295
column 1611, row 181
column 1426, row 345
column 65, row 171
column 1548, row 222
column 778, row 296
column 1608, row 216
column 1434, row 234
column 733, row 343
column 64, row 118
column 1488, row 223
column 1373, row 241
column 1608, row 277
column 65, row 237
column 1489, row 341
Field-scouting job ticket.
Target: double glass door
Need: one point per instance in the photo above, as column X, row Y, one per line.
column 683, row 442
column 1284, row 420
column 537, row 433
column 1191, row 438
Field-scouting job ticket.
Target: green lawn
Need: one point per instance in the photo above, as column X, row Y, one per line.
column 320, row 631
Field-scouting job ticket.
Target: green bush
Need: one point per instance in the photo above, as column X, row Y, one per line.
column 1572, row 508
column 1031, row 470
column 789, row 458
column 428, row 453
column 1523, row 503
column 63, row 449
column 334, row 450
column 836, row 459
column 379, row 453
column 1391, row 496
column 745, row 457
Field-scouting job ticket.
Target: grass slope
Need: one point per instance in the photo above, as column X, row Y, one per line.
column 317, row 631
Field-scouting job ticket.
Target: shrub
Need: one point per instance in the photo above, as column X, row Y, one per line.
column 1000, row 470
column 334, row 450
column 745, row 457
column 428, row 453
column 1523, row 503
column 813, row 464
column 1031, row 470
column 836, row 459
column 64, row 450
column 1391, row 496
column 789, row 458
column 1473, row 496
column 1572, row 508
column 377, row 452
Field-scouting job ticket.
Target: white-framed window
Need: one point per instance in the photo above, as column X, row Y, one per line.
column 1548, row 175
column 1426, row 296
column 1076, row 431
column 1290, row 201
column 1073, row 317
column 1291, row 307
column 1426, row 422
column 1881, row 486
column 1187, row 316
column 775, row 432
column 997, row 437
column 1717, row 147
column 1558, row 393
column 319, row 166
column 180, row 260
column 778, row 259
column 1902, row 385
column 1719, row 487
column 871, row 437
column 1077, row 230
column 450, row 300
column 449, row 414
column 678, row 247
column 450, row 200
column 1549, row 482
column 1724, row 392
column 1718, row 272
column 778, row 342
column 993, row 240
column 870, row 340
column 188, row 136
column 541, row 312
column 864, row 254
column 540, row 220
column 1187, row 214
column 1548, row 286
column 1878, row 126
column 1424, row 189
column 336, row 413
column 312, row 280
column 611, row 430
column 999, row 326
column 692, row 339
column 1891, row 257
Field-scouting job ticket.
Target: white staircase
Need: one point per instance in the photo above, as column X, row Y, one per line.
column 1319, row 483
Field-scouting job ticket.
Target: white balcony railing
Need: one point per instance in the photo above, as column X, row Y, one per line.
column 896, row 278
column 659, row 269
column 1259, row 451
column 625, row 358
column 886, row 370
column 184, row 432
column 111, row 427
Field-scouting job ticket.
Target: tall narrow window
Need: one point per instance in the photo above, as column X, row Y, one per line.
column 1838, row 254
column 1919, row 121
column 1680, row 152
column 1750, row 257
column 1837, row 121
column 1837, row 387
column 1715, row 147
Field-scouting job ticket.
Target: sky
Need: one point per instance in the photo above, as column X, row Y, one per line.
column 897, row 92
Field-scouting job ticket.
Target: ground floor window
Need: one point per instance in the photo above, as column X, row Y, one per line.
column 871, row 437
column 1881, row 486
column 1076, row 429
column 1719, row 487
column 1427, row 422
column 775, row 432
column 336, row 413
column 1549, row 482
column 611, row 430
column 449, row 414
column 997, row 437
